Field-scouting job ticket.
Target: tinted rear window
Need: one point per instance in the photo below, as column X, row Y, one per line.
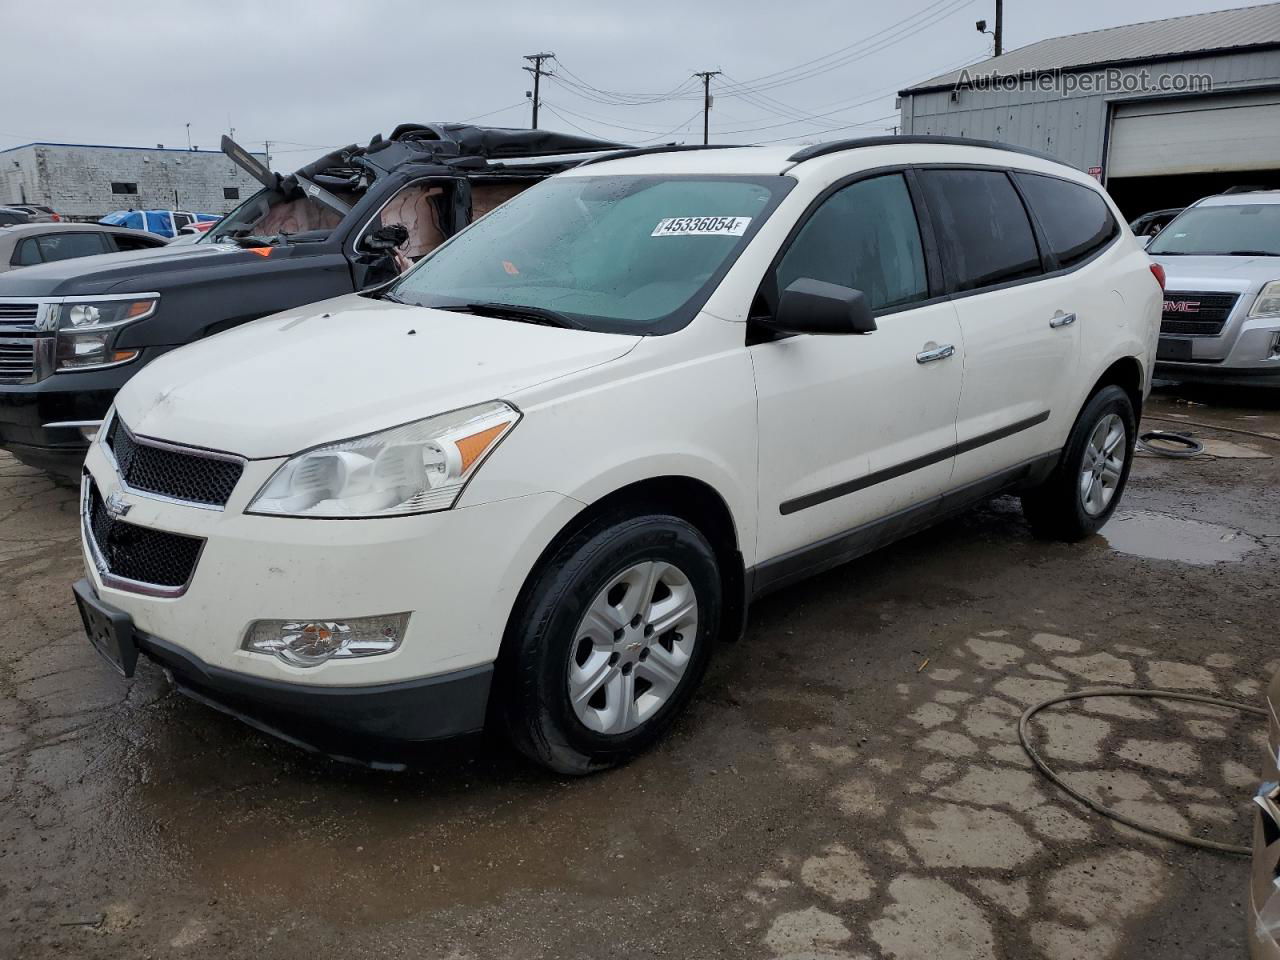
column 1075, row 219
column 982, row 227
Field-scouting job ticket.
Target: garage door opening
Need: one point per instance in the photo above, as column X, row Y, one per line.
column 1173, row 151
column 1138, row 195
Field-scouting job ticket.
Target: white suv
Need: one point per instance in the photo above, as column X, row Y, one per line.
column 535, row 480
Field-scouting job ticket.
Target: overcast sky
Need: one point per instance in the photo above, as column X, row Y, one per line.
column 317, row 74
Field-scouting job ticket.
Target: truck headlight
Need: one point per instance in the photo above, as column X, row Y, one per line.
column 1268, row 302
column 309, row 643
column 418, row 467
column 88, row 330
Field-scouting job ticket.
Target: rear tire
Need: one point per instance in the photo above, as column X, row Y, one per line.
column 610, row 641
column 1089, row 480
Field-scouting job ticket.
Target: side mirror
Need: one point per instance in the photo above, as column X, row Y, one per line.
column 815, row 306
column 384, row 240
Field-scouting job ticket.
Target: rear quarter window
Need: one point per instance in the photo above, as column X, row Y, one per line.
column 1076, row 220
column 982, row 227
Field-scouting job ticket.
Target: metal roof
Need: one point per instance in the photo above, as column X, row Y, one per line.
column 1219, row 31
column 109, row 146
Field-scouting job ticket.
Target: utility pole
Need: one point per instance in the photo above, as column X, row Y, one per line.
column 537, row 71
column 267, row 150
column 188, row 136
column 706, row 76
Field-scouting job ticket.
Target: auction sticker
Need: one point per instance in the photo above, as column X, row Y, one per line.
column 701, row 227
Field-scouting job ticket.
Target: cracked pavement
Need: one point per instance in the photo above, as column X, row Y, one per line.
column 848, row 784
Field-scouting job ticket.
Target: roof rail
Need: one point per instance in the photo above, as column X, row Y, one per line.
column 838, row 146
column 664, row 148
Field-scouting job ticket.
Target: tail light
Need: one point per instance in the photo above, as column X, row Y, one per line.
column 1157, row 271
column 56, row 218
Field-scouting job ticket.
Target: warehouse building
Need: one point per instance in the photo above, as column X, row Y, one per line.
column 88, row 181
column 1163, row 113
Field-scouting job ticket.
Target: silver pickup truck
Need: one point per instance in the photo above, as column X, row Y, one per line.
column 1221, row 320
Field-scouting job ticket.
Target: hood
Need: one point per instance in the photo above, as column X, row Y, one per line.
column 133, row 271
column 1236, row 274
column 342, row 368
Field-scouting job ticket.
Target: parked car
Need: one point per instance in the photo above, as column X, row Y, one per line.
column 559, row 456
column 10, row 215
column 38, row 212
column 74, row 332
column 192, row 232
column 1264, row 890
column 1221, row 321
column 1149, row 224
column 165, row 223
column 26, row 245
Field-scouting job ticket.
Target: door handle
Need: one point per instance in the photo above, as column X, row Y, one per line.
column 1061, row 319
column 935, row 353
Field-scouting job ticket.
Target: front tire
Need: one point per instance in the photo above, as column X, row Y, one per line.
column 610, row 642
column 1089, row 480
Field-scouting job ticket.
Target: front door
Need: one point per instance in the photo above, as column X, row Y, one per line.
column 856, row 427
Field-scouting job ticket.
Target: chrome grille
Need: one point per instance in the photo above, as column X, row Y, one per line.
column 19, row 312
column 192, row 476
column 17, row 359
column 26, row 345
column 142, row 556
column 1190, row 314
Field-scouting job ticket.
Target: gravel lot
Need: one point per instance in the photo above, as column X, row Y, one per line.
column 848, row 784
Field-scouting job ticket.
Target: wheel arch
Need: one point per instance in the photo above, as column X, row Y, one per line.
column 691, row 499
column 1128, row 374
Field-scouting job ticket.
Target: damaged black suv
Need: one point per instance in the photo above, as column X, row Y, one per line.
column 72, row 332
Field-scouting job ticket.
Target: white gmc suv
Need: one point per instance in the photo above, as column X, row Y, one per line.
column 534, row 481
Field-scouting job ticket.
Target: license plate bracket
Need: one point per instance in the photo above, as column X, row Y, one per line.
column 1173, row 348
column 108, row 629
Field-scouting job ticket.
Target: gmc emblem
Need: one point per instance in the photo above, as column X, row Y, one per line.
column 1182, row 306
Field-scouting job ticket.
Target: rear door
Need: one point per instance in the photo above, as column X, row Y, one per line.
column 1020, row 343
column 853, row 428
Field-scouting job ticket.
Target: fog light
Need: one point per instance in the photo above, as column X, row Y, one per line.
column 309, row 643
column 1275, row 346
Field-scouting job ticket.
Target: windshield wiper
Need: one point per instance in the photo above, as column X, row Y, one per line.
column 518, row 313
column 1253, row 253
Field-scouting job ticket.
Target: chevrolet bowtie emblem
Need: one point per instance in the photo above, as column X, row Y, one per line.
column 116, row 506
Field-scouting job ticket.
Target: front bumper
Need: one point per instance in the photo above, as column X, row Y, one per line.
column 60, row 398
column 457, row 573
column 340, row 720
column 1244, row 354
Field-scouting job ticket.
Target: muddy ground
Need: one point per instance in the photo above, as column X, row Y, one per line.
column 848, row 784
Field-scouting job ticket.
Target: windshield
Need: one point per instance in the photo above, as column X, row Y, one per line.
column 270, row 215
column 1245, row 229
column 634, row 254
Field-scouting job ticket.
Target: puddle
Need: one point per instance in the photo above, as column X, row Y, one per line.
column 1159, row 536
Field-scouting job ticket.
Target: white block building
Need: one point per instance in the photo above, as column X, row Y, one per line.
column 87, row 181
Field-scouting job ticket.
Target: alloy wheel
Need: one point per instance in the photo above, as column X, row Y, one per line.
column 632, row 647
column 1104, row 459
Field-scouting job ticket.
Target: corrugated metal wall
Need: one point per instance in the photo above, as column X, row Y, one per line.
column 1072, row 128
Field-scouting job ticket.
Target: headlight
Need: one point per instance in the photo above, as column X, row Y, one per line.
column 1268, row 302
column 87, row 331
column 419, row 467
